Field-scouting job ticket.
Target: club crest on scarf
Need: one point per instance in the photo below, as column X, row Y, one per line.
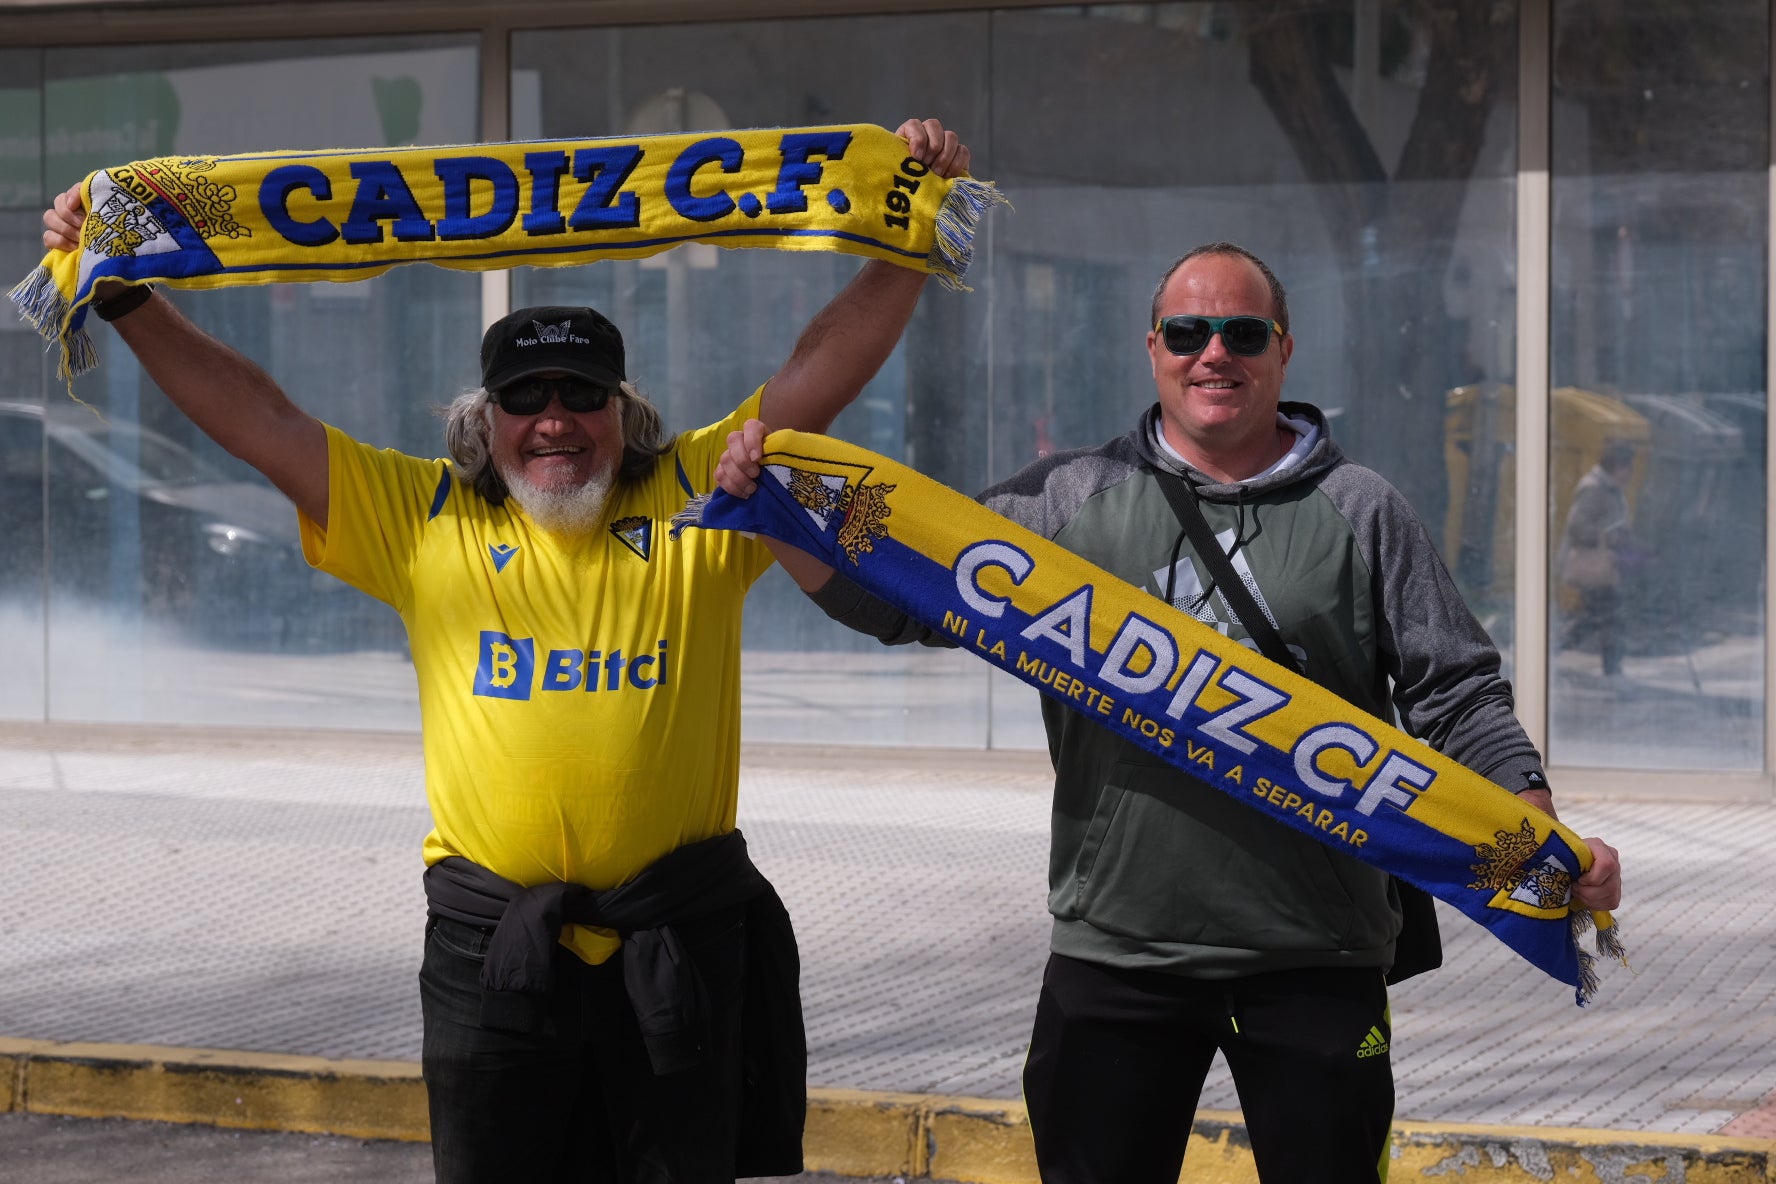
column 1526, row 876
column 124, row 207
column 860, row 507
column 185, row 186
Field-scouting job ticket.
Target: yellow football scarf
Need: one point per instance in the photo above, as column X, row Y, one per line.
column 221, row 221
column 1229, row 717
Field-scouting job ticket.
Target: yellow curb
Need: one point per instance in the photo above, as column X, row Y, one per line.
column 849, row 1132
column 1489, row 1154
column 15, row 1055
column 853, row 1132
column 980, row 1139
column 255, row 1091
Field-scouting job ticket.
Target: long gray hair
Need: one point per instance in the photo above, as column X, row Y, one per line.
column 468, row 436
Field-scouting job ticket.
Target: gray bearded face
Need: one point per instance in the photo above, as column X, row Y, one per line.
column 572, row 510
column 558, row 465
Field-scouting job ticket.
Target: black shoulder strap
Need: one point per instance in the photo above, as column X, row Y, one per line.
column 1419, row 946
column 1233, row 589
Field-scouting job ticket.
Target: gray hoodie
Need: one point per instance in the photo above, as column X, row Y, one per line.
column 1150, row 867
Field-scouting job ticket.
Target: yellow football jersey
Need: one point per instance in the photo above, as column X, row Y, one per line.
column 579, row 697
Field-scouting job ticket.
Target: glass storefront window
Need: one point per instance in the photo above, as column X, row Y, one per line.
column 1367, row 153
column 1366, row 150
column 176, row 590
column 1658, row 480
column 22, row 690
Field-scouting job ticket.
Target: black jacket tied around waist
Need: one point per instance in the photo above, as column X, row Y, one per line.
column 667, row 994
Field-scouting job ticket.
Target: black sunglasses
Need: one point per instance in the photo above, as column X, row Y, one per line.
column 529, row 396
column 1247, row 336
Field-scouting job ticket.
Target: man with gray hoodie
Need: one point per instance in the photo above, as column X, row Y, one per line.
column 1185, row 922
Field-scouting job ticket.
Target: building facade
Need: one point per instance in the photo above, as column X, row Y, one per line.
column 1520, row 239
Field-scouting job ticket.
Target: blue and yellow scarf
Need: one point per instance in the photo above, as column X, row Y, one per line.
column 277, row 217
column 1229, row 717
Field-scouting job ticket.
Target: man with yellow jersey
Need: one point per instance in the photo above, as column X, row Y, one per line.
column 609, row 984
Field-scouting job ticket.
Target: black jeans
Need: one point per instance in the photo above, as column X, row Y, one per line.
column 577, row 1100
column 1118, row 1057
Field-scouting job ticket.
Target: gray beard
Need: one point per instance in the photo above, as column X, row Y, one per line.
column 563, row 511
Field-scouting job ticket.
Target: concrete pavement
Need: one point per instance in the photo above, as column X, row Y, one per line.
column 259, row 893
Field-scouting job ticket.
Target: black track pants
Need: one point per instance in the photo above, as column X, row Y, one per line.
column 1118, row 1057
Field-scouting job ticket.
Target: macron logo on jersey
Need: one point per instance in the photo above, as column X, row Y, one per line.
column 501, row 554
column 507, row 668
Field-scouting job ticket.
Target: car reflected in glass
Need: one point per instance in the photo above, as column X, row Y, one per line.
column 138, row 523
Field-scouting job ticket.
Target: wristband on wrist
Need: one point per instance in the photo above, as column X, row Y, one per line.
column 122, row 305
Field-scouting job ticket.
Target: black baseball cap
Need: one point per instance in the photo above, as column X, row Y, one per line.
column 572, row 339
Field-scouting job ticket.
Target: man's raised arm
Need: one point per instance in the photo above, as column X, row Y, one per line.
column 848, row 340
column 224, row 393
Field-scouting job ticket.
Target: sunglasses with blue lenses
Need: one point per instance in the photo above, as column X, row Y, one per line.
column 529, row 396
column 1187, row 335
